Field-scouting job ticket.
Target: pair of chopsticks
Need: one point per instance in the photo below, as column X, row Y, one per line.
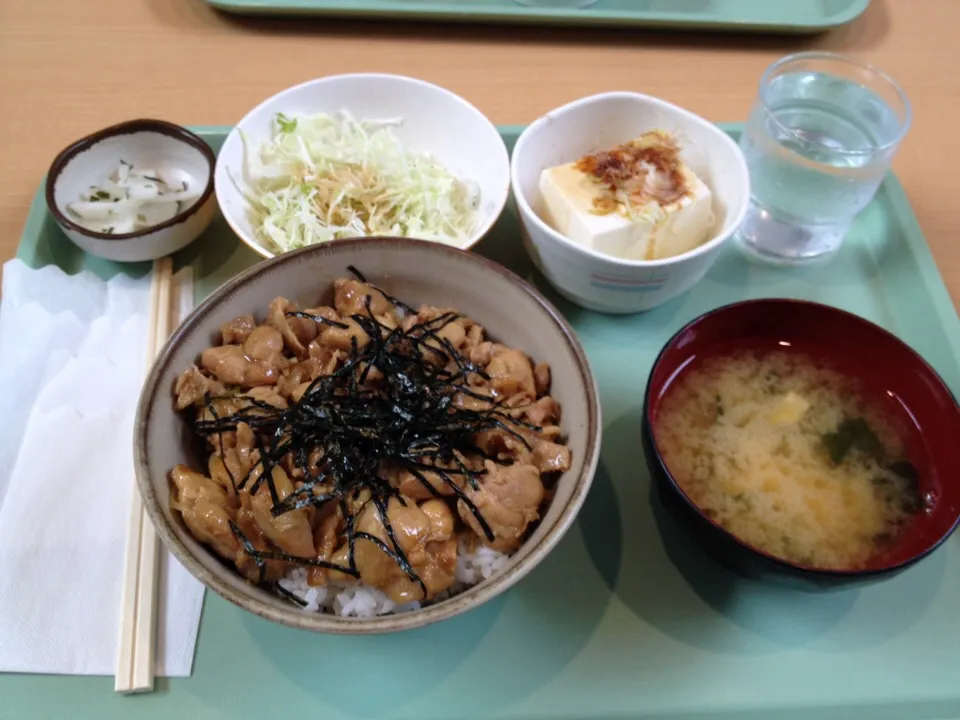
column 138, row 609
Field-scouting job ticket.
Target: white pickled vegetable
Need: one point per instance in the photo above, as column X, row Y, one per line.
column 326, row 177
column 133, row 199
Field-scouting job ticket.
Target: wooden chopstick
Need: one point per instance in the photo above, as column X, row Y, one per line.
column 135, row 657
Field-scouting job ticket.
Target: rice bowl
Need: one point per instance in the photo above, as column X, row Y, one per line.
column 430, row 274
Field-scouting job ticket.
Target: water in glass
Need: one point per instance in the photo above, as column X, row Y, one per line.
column 817, row 147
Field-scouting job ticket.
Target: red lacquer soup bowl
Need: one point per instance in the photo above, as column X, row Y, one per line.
column 886, row 369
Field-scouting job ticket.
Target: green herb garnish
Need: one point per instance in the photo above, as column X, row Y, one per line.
column 852, row 434
column 287, row 125
column 906, row 470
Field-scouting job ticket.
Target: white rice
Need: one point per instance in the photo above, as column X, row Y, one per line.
column 364, row 602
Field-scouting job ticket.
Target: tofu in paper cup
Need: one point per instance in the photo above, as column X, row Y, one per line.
column 580, row 270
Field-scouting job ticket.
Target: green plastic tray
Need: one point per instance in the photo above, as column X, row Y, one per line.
column 624, row 619
column 784, row 16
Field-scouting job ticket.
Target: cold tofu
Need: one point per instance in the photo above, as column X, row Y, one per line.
column 638, row 201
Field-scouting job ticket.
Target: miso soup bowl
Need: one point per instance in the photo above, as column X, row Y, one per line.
column 602, row 282
column 862, row 350
column 417, row 272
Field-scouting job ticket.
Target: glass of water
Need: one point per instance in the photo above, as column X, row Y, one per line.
column 819, row 139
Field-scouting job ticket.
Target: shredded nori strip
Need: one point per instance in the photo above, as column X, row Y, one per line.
column 280, row 590
column 208, row 402
column 406, row 418
column 261, row 556
column 392, row 300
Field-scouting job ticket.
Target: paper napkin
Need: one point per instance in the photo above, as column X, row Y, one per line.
column 71, row 366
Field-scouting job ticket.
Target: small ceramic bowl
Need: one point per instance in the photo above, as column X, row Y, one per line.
column 602, row 282
column 512, row 311
column 150, row 143
column 434, row 121
column 859, row 349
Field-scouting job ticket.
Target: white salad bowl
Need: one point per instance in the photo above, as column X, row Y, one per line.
column 146, row 143
column 433, row 120
column 603, row 282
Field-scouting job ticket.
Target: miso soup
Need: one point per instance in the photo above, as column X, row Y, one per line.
column 789, row 455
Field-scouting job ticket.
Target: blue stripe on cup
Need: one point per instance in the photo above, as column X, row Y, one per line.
column 621, row 284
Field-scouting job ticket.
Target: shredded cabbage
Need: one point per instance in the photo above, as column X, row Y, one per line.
column 327, row 177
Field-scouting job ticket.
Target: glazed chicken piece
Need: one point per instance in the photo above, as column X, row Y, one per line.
column 508, row 499
column 326, row 312
column 410, row 486
column 452, row 330
column 332, row 337
column 452, row 334
column 321, row 360
column 541, row 378
column 237, row 330
column 550, row 457
column 541, row 413
column 326, row 537
column 474, row 338
column 266, row 394
column 238, row 460
column 257, row 362
column 425, row 534
column 350, row 298
column 223, row 476
column 231, row 365
column 415, row 488
column 289, row 531
column 220, row 407
column 297, row 332
column 248, row 567
column 343, row 338
column 325, row 360
column 205, row 508
column 470, row 401
column 265, row 344
column 193, row 386
column 388, row 320
column 511, row 373
column 482, row 354
column 539, row 448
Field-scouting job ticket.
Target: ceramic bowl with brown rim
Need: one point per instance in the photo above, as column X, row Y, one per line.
column 418, row 272
column 155, row 144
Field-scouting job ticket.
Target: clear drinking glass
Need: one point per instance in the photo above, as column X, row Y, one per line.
column 820, row 137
